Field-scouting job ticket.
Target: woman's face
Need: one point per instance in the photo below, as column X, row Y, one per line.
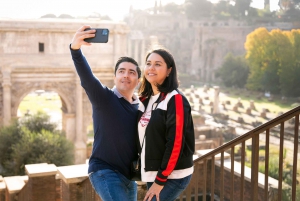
column 156, row 69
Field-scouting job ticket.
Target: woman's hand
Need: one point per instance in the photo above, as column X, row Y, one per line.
column 153, row 191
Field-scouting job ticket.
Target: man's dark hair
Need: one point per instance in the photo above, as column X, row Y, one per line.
column 169, row 84
column 130, row 60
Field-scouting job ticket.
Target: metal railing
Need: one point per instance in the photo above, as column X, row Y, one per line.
column 218, row 178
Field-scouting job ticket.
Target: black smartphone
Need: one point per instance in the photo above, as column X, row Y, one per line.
column 101, row 36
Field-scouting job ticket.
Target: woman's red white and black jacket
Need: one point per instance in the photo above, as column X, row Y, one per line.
column 170, row 141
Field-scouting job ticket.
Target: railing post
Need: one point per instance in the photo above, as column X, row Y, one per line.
column 222, row 177
column 296, row 143
column 232, row 174
column 267, row 164
column 243, row 152
column 254, row 167
column 280, row 176
column 41, row 184
column 213, row 174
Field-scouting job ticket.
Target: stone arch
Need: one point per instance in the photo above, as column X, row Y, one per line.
column 20, row 90
column 24, row 69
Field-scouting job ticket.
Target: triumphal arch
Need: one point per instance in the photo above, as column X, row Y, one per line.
column 34, row 54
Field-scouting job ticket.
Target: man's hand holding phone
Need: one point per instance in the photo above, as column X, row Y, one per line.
column 101, row 36
column 87, row 35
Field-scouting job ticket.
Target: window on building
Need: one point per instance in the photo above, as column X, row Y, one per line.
column 41, row 47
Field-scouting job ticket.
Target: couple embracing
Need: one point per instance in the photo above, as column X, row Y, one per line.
column 156, row 127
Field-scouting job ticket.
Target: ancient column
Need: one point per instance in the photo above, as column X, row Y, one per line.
column 213, row 77
column 6, row 84
column 207, row 75
column 216, row 100
column 129, row 50
column 70, row 119
column 136, row 50
column 143, row 55
column 115, row 46
column 153, row 41
column 80, row 145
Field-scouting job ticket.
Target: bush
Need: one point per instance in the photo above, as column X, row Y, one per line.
column 233, row 72
column 30, row 140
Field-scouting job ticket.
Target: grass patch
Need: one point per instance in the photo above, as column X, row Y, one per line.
column 275, row 105
column 47, row 102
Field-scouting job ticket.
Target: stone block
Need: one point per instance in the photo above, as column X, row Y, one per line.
column 14, row 185
column 263, row 115
column 2, row 189
column 73, row 173
column 200, row 101
column 252, row 106
column 235, row 108
column 42, row 182
column 224, row 106
column 240, row 120
column 248, row 111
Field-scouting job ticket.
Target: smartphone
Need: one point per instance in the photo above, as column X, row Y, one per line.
column 101, row 36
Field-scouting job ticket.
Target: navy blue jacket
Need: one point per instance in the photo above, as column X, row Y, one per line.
column 114, row 120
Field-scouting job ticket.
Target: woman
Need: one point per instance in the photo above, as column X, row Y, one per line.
column 166, row 131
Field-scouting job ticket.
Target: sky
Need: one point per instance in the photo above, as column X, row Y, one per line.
column 116, row 9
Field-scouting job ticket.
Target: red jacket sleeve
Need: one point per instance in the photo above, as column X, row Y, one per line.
column 174, row 123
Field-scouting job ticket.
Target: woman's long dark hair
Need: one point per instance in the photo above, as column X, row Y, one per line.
column 169, row 84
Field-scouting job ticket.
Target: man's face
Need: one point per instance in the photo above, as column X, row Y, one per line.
column 126, row 78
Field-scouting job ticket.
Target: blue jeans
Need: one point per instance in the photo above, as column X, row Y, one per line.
column 113, row 186
column 172, row 189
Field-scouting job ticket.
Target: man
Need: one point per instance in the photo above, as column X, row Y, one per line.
column 115, row 117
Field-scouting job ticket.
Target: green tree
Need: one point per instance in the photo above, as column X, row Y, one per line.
column 290, row 71
column 255, row 46
column 32, row 140
column 278, row 58
column 173, row 8
column 221, row 8
column 273, row 59
column 242, row 7
column 234, row 71
column 196, row 9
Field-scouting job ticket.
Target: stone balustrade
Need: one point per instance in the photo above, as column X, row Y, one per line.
column 47, row 182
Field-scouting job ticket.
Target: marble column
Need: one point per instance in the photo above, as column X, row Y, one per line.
column 201, row 73
column 213, row 77
column 116, row 46
column 216, row 100
column 136, row 50
column 143, row 55
column 70, row 120
column 80, row 145
column 6, row 85
column 207, row 75
column 129, row 50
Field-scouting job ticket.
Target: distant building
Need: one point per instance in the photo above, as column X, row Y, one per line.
column 199, row 47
